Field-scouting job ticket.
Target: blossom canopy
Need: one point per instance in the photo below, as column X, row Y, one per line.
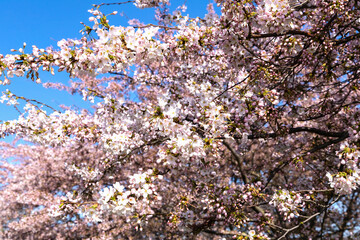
column 245, row 124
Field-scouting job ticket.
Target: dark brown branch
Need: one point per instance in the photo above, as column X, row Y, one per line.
column 295, row 130
column 318, row 131
column 225, row 233
column 238, row 160
column 290, row 32
column 347, row 39
column 328, row 143
column 243, row 175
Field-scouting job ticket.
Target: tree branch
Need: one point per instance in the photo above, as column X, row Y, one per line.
column 307, row 220
column 243, row 175
column 238, row 160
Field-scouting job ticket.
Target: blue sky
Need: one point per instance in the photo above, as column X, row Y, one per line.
column 43, row 23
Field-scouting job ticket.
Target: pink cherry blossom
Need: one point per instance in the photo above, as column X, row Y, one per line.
column 245, row 125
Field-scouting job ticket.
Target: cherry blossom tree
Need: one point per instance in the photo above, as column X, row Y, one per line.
column 245, row 126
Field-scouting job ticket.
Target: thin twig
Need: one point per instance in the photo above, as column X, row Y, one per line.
column 307, row 220
column 108, row 4
column 236, row 84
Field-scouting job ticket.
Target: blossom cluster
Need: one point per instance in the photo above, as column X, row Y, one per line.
column 137, row 196
column 347, row 181
column 149, row 3
column 288, row 203
column 116, row 49
column 344, row 183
